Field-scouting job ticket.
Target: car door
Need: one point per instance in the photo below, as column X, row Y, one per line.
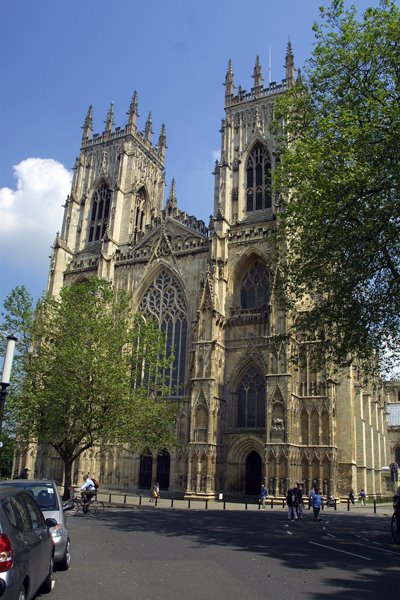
column 36, row 536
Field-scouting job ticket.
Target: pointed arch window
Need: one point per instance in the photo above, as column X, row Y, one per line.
column 251, row 400
column 164, row 301
column 258, row 179
column 99, row 213
column 254, row 293
column 140, row 209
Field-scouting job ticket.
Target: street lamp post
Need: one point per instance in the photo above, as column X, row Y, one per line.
column 5, row 376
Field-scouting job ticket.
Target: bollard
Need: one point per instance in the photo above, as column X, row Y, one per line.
column 224, row 505
column 206, row 504
column 245, row 506
column 272, row 503
column 140, row 500
column 334, row 505
column 172, row 503
column 109, row 499
column 125, row 499
column 283, row 503
column 155, row 502
column 374, row 507
column 259, row 505
column 348, row 504
column 189, row 503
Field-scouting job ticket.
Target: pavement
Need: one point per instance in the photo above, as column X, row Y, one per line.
column 112, row 498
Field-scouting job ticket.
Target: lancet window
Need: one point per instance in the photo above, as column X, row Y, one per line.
column 164, row 301
column 251, row 400
column 254, row 292
column 99, row 213
column 258, row 175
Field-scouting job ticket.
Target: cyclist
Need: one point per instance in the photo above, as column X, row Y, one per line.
column 88, row 490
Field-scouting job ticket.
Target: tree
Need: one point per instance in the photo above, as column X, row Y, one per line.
column 339, row 180
column 93, row 376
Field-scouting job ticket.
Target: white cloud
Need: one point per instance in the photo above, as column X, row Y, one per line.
column 31, row 214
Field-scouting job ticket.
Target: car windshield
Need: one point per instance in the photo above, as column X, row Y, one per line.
column 43, row 493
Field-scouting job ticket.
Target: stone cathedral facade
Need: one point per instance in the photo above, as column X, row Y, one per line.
column 249, row 415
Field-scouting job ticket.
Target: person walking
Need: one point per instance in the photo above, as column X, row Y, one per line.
column 291, row 504
column 363, row 495
column 155, row 492
column 351, row 496
column 263, row 495
column 298, row 491
column 317, row 503
column 24, row 474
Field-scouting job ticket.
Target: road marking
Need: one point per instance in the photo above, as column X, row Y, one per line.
column 381, row 550
column 331, row 535
column 342, row 551
column 289, row 533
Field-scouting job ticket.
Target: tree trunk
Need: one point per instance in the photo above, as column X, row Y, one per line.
column 67, row 478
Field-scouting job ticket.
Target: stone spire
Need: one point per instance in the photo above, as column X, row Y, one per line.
column 148, row 130
column 133, row 110
column 172, row 203
column 289, row 65
column 257, row 75
column 88, row 124
column 162, row 140
column 229, row 81
column 109, row 119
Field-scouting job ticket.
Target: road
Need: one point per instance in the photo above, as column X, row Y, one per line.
column 152, row 552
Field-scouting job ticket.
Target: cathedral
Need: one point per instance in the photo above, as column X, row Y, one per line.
column 250, row 414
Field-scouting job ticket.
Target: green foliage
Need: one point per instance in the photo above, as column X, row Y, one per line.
column 94, row 375
column 339, row 179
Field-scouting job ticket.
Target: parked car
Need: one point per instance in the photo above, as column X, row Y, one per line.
column 47, row 495
column 26, row 546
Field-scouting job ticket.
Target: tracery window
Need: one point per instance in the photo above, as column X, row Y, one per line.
column 165, row 302
column 251, row 400
column 254, row 292
column 100, row 212
column 258, row 172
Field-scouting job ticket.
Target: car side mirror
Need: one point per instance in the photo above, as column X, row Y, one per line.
column 51, row 522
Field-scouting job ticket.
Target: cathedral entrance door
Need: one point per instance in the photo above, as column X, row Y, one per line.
column 163, row 463
column 253, row 473
column 146, row 464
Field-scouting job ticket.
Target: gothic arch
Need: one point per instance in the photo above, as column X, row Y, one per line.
column 248, row 396
column 242, row 447
column 243, row 267
column 258, row 177
column 164, row 301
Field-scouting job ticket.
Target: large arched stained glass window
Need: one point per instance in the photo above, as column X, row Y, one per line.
column 164, row 301
column 258, row 174
column 251, row 400
column 254, row 292
column 99, row 213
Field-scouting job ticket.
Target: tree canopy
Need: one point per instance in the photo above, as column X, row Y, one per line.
column 339, row 181
column 94, row 375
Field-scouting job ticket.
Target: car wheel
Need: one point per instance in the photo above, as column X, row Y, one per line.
column 22, row 593
column 47, row 583
column 64, row 563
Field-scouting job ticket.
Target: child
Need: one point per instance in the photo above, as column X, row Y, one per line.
column 317, row 503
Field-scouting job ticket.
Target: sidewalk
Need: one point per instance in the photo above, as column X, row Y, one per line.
column 118, row 499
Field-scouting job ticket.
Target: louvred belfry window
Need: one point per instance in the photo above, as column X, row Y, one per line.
column 99, row 213
column 164, row 301
column 258, row 175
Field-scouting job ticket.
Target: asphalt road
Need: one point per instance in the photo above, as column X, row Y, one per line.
column 152, row 552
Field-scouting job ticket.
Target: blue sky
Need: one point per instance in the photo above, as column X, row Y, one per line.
column 58, row 57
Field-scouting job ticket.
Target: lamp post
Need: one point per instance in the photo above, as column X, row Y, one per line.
column 5, row 376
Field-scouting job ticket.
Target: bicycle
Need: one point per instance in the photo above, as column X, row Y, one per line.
column 94, row 506
column 395, row 524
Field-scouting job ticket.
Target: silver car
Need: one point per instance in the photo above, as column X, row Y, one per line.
column 26, row 546
column 47, row 495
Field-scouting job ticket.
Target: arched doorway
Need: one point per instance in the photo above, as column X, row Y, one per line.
column 253, row 473
column 146, row 465
column 163, row 463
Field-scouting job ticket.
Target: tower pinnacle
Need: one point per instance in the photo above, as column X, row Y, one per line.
column 88, row 124
column 133, row 110
column 109, row 119
column 148, row 130
column 257, row 74
column 162, row 140
column 289, row 65
column 229, row 81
